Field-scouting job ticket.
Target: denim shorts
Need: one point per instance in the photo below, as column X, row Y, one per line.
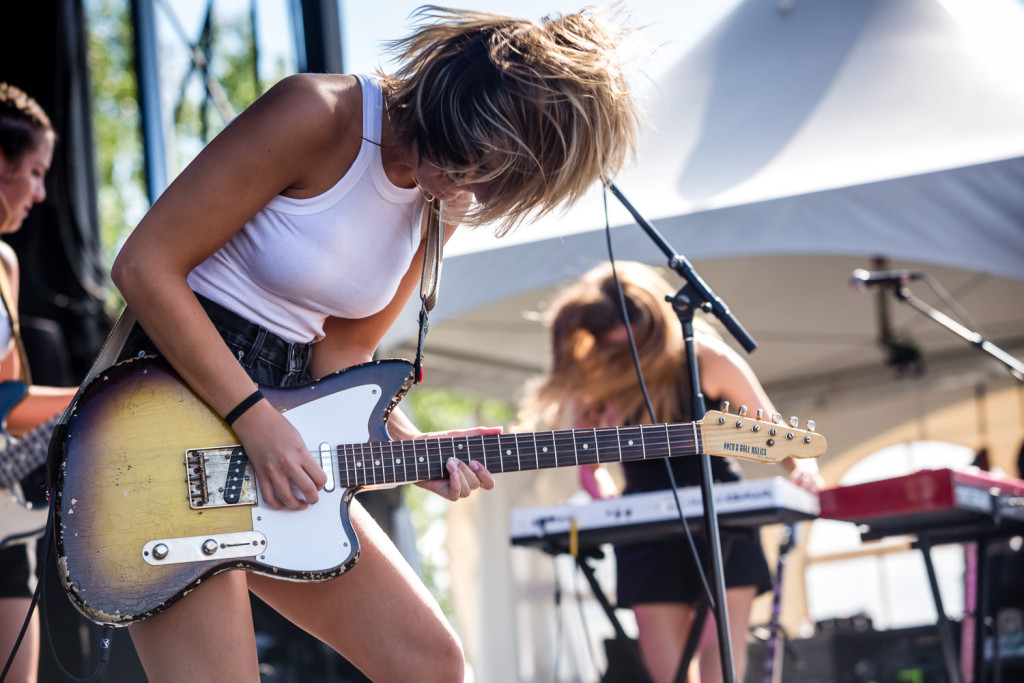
column 270, row 360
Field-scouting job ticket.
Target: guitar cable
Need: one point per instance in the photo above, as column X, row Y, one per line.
column 37, row 599
column 650, row 407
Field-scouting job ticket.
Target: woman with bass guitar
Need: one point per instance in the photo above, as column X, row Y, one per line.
column 26, row 149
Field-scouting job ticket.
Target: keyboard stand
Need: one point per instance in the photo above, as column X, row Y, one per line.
column 628, row 644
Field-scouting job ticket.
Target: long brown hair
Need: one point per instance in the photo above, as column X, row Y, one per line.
column 589, row 374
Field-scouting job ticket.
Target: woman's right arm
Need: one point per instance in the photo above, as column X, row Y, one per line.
column 597, row 481
column 263, row 152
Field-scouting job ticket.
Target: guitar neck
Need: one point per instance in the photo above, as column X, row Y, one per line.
column 26, row 454
column 400, row 462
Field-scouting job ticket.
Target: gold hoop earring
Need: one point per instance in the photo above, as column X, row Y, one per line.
column 429, row 197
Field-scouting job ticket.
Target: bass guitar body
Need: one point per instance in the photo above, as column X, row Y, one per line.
column 154, row 493
column 20, row 519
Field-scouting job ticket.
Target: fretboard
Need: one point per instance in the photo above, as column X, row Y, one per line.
column 23, row 456
column 401, row 462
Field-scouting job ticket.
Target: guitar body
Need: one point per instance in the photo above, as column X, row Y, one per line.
column 134, row 532
column 20, row 520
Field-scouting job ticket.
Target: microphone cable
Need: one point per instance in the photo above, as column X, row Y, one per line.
column 650, row 407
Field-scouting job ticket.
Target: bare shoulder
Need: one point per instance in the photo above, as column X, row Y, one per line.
column 320, row 105
column 723, row 370
column 713, row 350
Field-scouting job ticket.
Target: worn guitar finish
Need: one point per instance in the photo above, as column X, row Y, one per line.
column 154, row 494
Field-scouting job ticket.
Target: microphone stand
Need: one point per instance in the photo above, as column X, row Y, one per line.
column 696, row 294
column 1016, row 368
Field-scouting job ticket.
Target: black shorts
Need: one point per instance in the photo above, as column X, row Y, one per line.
column 665, row 571
column 17, row 571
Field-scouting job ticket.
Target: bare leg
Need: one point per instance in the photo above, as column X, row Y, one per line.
column 663, row 630
column 205, row 636
column 12, row 616
column 378, row 615
column 738, row 601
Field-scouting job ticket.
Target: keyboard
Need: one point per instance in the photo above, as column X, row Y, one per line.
column 653, row 515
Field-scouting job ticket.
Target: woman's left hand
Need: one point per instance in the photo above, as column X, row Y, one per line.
column 809, row 480
column 462, row 478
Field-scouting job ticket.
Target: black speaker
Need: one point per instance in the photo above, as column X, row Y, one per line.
column 909, row 654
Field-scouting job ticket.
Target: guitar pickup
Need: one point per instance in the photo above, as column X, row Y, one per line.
column 219, row 477
column 328, row 467
column 201, row 548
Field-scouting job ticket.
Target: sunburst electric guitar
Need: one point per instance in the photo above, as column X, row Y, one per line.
column 154, row 493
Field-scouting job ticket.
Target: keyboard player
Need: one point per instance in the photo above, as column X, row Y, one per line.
column 592, row 383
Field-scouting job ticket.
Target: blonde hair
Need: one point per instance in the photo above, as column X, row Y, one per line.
column 539, row 110
column 588, row 375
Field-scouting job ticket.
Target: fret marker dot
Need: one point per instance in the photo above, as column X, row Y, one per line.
column 376, row 462
column 508, row 452
column 586, row 446
column 545, row 449
column 399, row 461
column 421, row 458
column 460, row 446
column 630, row 442
column 359, row 464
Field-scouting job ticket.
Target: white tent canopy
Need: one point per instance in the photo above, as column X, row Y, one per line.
column 820, row 129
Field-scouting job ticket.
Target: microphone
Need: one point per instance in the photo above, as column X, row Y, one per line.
column 862, row 279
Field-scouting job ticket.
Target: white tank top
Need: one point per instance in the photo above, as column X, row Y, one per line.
column 342, row 253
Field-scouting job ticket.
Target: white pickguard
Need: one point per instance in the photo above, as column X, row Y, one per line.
column 315, row 539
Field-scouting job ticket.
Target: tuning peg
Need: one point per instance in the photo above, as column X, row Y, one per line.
column 725, row 406
column 776, row 418
column 742, row 411
column 760, row 414
column 811, row 425
column 794, row 421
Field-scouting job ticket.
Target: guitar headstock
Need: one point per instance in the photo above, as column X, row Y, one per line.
column 739, row 436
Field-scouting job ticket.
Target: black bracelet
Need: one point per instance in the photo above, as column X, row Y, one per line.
column 247, row 402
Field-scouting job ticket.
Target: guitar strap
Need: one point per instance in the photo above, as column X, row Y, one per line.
column 12, row 315
column 104, row 359
column 436, row 218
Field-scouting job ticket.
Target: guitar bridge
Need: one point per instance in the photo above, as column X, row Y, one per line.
column 219, row 477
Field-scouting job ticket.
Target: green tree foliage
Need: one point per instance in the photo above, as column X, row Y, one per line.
column 190, row 109
column 116, row 127
column 437, row 410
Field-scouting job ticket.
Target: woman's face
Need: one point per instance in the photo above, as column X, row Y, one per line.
column 22, row 184
column 615, row 335
column 440, row 183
